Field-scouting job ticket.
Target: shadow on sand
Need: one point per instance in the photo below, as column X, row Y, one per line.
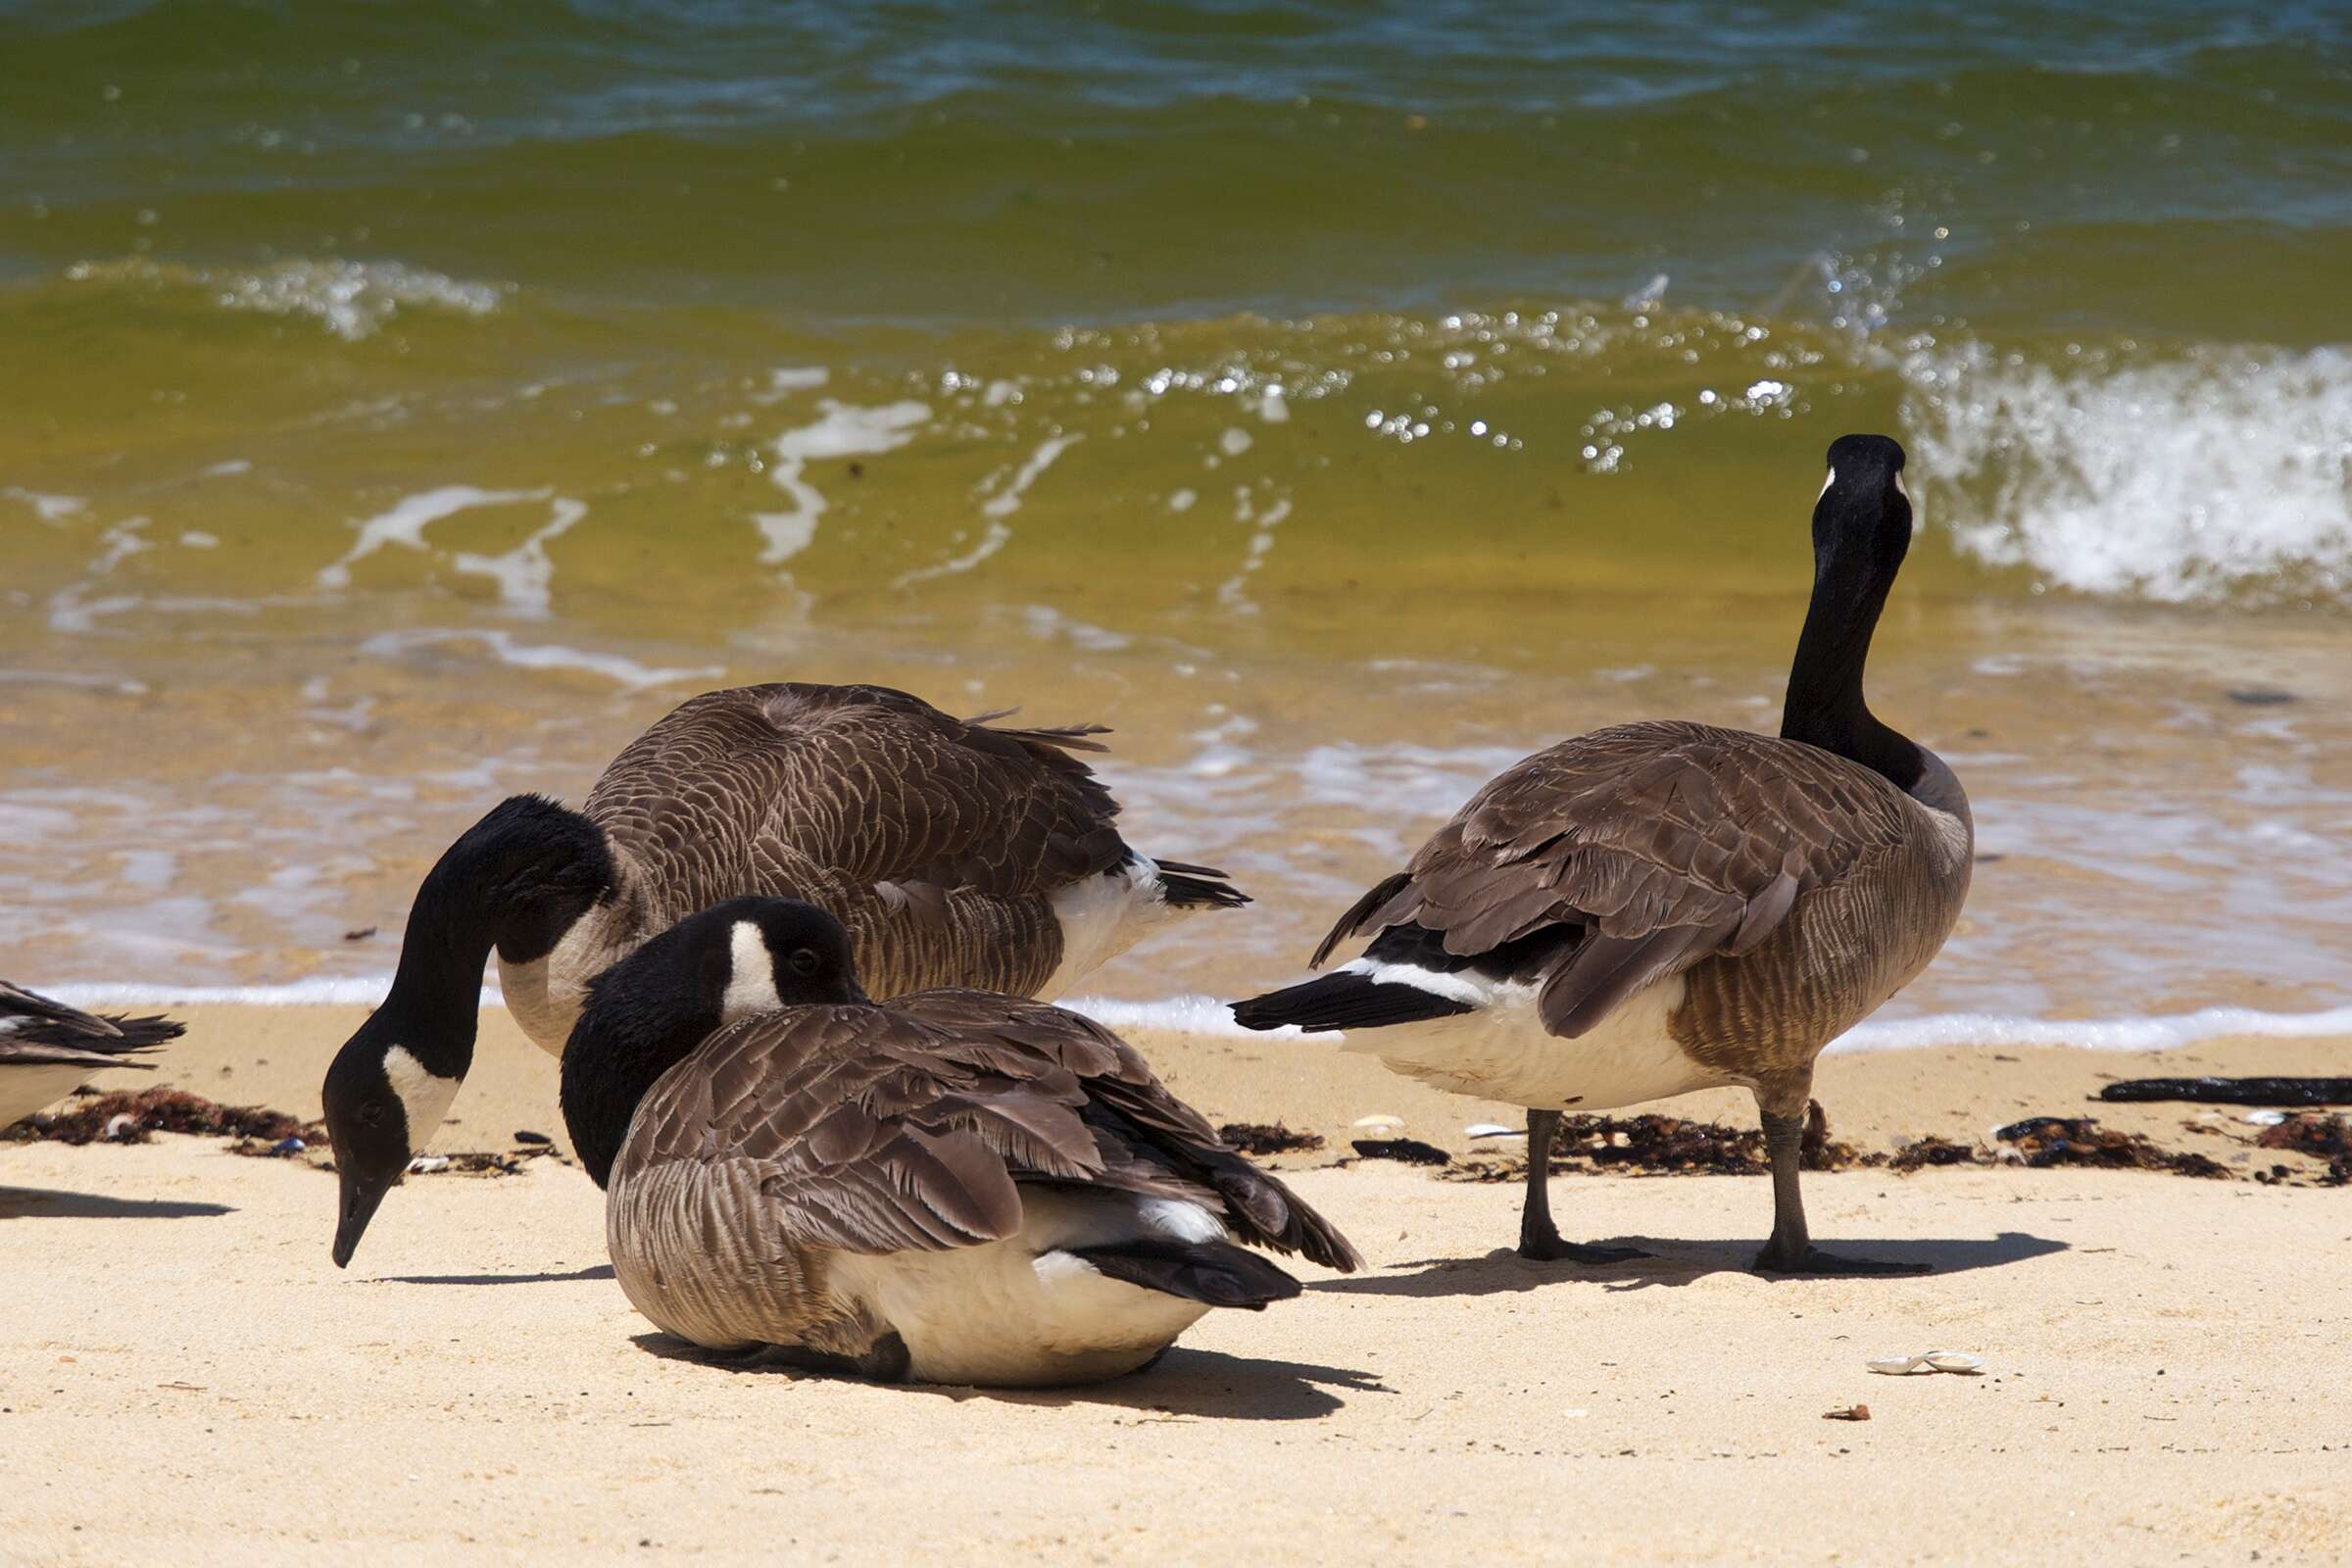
column 1182, row 1385
column 1682, row 1262
column 38, row 1202
column 600, row 1271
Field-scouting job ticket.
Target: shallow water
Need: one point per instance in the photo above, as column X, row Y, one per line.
column 1341, row 401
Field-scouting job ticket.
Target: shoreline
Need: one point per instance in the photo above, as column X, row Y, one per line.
column 273, row 1056
column 2161, row 1354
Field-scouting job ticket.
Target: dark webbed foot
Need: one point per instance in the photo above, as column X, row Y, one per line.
column 1548, row 1248
column 1776, row 1260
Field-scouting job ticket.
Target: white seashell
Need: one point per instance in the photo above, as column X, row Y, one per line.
column 1492, row 1129
column 1900, row 1366
column 427, row 1164
column 2266, row 1118
column 1380, row 1121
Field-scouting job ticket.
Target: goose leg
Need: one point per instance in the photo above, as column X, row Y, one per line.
column 1790, row 1250
column 1538, row 1237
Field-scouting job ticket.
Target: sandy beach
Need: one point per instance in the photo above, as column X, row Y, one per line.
column 187, row 1377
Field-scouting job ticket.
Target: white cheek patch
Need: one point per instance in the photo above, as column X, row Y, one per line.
column 751, row 976
column 1826, row 483
column 1898, row 488
column 425, row 1095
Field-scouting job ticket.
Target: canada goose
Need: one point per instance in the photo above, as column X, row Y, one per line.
column 1659, row 907
column 954, row 1187
column 957, row 854
column 47, row 1048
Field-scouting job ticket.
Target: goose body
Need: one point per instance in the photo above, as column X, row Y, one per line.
column 952, row 1187
column 48, row 1050
column 955, row 852
column 1767, row 897
column 1664, row 907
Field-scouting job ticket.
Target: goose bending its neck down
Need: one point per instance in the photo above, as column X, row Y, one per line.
column 954, row 1187
column 47, row 1048
column 1665, row 906
column 956, row 852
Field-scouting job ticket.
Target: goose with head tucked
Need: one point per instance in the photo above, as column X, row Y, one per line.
column 952, row 1187
column 48, row 1049
column 955, row 853
column 1660, row 907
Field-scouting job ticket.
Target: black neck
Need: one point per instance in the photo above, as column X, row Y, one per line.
column 515, row 881
column 623, row 1045
column 1825, row 706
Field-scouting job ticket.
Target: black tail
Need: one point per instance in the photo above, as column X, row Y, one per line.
column 1216, row 1273
column 40, row 1021
column 141, row 1034
column 1347, row 1000
column 1198, row 887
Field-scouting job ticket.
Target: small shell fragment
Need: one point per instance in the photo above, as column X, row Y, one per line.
column 1492, row 1129
column 2266, row 1118
column 427, row 1164
column 1900, row 1366
column 1380, row 1121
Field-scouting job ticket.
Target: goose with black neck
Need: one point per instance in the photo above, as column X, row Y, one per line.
column 952, row 1187
column 1665, row 906
column 956, row 852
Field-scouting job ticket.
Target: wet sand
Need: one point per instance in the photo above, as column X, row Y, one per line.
column 187, row 1376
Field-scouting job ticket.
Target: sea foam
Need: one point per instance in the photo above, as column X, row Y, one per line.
column 2177, row 479
column 1210, row 1016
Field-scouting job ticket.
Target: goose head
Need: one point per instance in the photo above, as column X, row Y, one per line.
column 516, row 881
column 652, row 1008
column 1862, row 518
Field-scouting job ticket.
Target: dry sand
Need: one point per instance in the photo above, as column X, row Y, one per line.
column 183, row 1375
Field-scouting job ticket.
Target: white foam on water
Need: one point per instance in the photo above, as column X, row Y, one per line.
column 785, row 380
column 404, row 522
column 1208, row 1015
column 367, row 990
column 627, row 672
column 1233, row 593
column 353, row 299
column 996, row 509
column 1047, row 624
column 842, row 431
column 52, row 508
column 2145, row 1033
column 524, row 574
column 1186, row 1015
column 2177, row 479
column 75, row 677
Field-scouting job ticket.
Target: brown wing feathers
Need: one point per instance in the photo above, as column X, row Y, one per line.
column 1649, row 844
column 937, row 840
column 877, row 1129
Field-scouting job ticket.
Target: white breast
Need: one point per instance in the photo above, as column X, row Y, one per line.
column 1022, row 1310
column 1101, row 917
column 1502, row 1051
column 27, row 1088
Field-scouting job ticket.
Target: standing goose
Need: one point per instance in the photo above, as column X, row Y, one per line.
column 956, row 855
column 954, row 1187
column 47, row 1048
column 1664, row 907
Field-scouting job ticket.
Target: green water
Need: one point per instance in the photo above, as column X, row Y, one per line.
column 405, row 402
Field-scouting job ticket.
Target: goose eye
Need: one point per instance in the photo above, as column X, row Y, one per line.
column 372, row 1113
column 804, row 961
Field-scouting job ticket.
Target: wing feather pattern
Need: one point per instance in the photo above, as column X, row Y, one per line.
column 1629, row 854
column 882, row 1128
column 937, row 840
